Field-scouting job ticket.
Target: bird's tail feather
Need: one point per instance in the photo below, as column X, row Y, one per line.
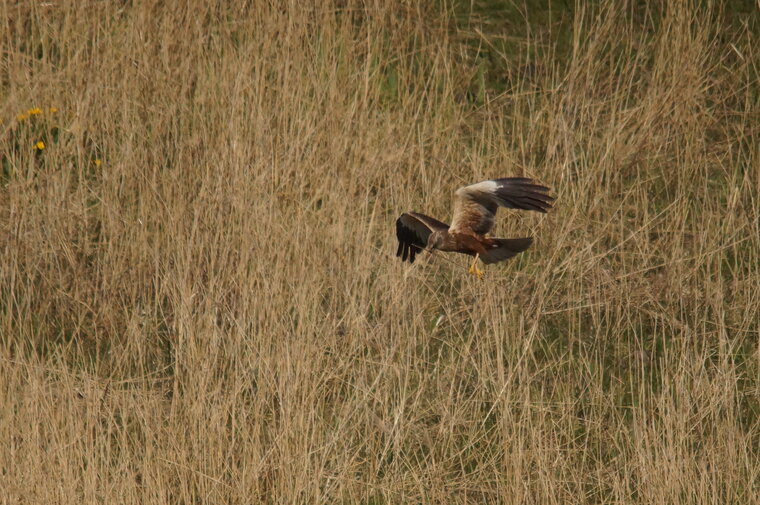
column 505, row 248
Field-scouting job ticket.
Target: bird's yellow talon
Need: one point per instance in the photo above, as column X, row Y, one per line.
column 479, row 273
column 474, row 270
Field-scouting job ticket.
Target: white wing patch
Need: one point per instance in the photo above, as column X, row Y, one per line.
column 481, row 187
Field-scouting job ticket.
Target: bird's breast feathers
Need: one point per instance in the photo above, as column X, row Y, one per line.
column 469, row 243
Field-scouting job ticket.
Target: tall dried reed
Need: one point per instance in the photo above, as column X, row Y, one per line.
column 199, row 301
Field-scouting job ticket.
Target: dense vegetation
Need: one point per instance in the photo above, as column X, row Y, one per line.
column 199, row 299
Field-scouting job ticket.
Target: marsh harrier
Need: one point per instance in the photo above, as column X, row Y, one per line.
column 474, row 211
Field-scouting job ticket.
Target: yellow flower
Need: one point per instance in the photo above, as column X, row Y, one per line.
column 40, row 145
column 53, row 110
column 97, row 162
column 22, row 117
column 34, row 112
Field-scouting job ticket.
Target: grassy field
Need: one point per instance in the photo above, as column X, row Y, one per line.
column 199, row 298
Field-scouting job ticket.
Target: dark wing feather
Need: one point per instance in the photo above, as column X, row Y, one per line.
column 475, row 205
column 412, row 231
column 522, row 193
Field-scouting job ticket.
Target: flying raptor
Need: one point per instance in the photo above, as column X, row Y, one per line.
column 474, row 211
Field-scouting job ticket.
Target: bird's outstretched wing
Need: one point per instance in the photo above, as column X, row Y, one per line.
column 475, row 205
column 412, row 231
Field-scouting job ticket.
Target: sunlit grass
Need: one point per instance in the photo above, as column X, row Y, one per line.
column 199, row 298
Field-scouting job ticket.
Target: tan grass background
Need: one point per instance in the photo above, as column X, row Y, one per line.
column 199, row 299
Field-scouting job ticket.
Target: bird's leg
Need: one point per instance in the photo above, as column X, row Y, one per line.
column 474, row 270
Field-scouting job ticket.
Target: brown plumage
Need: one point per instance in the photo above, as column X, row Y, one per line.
column 474, row 212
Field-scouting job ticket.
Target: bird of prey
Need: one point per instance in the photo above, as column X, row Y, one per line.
column 474, row 211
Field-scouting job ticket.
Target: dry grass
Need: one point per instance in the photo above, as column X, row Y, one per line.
column 213, row 314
